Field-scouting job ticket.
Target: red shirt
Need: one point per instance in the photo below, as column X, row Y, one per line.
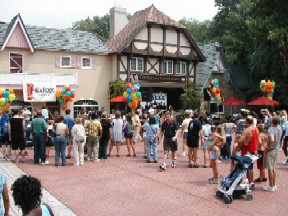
column 253, row 144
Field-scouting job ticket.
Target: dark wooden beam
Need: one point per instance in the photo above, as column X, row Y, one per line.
column 128, row 67
column 118, row 66
column 149, row 39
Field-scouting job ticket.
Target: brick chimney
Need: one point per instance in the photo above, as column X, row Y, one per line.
column 118, row 20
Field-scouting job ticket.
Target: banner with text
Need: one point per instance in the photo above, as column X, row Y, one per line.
column 39, row 90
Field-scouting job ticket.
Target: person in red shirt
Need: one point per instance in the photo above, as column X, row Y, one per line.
column 248, row 144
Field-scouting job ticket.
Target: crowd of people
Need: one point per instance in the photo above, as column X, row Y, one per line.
column 92, row 137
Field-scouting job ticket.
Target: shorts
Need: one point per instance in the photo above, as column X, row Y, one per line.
column 271, row 159
column 213, row 155
column 260, row 161
column 128, row 135
column 185, row 135
column 18, row 145
column 193, row 142
column 170, row 145
column 206, row 144
column 4, row 140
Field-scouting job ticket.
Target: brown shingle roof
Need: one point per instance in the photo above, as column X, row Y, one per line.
column 136, row 23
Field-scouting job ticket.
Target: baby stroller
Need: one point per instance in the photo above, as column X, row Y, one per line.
column 236, row 184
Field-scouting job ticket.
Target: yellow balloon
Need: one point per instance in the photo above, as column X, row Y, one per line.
column 2, row 90
column 2, row 101
column 12, row 97
column 125, row 94
column 214, row 90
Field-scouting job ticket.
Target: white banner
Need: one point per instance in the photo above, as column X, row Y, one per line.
column 39, row 90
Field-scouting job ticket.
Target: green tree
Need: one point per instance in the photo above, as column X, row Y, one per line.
column 191, row 97
column 200, row 31
column 98, row 25
column 117, row 88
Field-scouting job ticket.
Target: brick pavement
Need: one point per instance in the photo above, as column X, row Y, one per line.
column 129, row 186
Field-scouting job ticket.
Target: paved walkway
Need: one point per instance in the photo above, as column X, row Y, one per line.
column 130, row 186
column 13, row 172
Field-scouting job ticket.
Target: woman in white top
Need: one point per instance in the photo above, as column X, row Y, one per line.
column 79, row 139
column 229, row 128
column 60, row 141
column 184, row 130
column 117, row 133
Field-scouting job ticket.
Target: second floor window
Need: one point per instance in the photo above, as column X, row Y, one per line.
column 65, row 61
column 168, row 67
column 86, row 63
column 181, row 68
column 16, row 63
column 137, row 64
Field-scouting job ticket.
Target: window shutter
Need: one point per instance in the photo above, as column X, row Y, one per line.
column 78, row 62
column 73, row 61
column 93, row 66
column 57, row 61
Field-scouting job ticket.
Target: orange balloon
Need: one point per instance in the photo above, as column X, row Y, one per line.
column 11, row 91
column 64, row 106
column 58, row 93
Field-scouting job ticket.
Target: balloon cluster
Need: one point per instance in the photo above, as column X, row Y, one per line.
column 268, row 88
column 215, row 90
column 6, row 96
column 64, row 96
column 132, row 95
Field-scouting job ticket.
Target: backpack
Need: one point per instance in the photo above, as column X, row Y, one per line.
column 80, row 134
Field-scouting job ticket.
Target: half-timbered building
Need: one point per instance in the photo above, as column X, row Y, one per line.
column 155, row 50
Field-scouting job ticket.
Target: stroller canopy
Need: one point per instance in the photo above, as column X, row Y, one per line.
column 244, row 162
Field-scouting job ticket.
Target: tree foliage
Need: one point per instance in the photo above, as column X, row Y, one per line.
column 191, row 97
column 98, row 25
column 200, row 31
column 117, row 88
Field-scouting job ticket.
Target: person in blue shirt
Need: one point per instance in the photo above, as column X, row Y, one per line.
column 69, row 121
column 4, row 195
column 152, row 140
column 4, row 136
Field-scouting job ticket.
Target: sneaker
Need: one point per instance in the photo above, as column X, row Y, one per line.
column 264, row 180
column 285, row 162
column 210, row 179
column 163, row 166
column 46, row 162
column 213, row 181
column 252, row 187
column 76, row 164
column 96, row 160
column 155, row 161
column 68, row 157
column 82, row 163
column 43, row 163
column 218, row 161
column 275, row 188
column 190, row 166
column 175, row 158
column 183, row 154
column 173, row 165
column 88, row 159
column 268, row 188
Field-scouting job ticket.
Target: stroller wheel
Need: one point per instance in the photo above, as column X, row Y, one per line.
column 219, row 194
column 227, row 200
column 249, row 197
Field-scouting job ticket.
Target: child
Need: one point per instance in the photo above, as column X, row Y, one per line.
column 263, row 139
column 219, row 142
column 49, row 139
column 236, row 150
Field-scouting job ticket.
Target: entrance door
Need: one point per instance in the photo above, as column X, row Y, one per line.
column 85, row 106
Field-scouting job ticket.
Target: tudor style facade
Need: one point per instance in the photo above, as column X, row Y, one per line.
column 155, row 50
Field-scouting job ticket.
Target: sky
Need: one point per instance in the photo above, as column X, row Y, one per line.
column 62, row 13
